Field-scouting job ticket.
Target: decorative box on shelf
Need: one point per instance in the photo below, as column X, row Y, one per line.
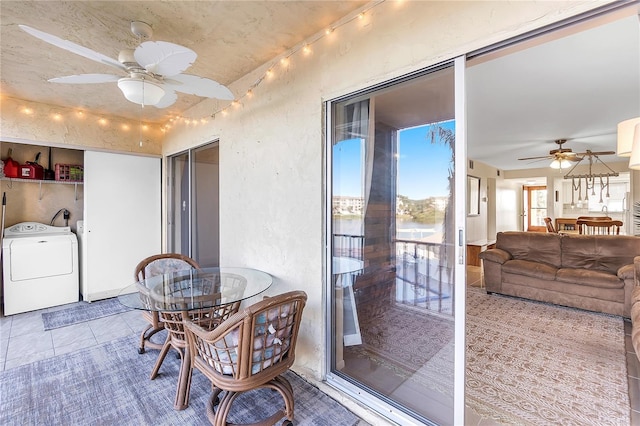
column 69, row 172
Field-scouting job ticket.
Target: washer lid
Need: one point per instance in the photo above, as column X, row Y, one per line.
column 26, row 229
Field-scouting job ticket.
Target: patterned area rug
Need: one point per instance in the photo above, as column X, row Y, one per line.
column 81, row 312
column 391, row 338
column 531, row 363
column 109, row 385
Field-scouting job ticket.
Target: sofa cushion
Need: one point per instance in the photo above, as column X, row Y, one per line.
column 532, row 246
column 530, row 269
column 591, row 278
column 599, row 252
column 635, row 317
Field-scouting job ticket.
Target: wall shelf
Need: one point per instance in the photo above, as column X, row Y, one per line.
column 41, row 181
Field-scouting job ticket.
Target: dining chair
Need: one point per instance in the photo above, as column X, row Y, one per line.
column 151, row 266
column 599, row 227
column 206, row 308
column 594, row 218
column 249, row 351
column 550, row 227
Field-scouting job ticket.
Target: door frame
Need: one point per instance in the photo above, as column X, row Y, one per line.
column 527, row 189
column 370, row 400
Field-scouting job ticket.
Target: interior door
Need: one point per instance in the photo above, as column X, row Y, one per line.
column 122, row 214
column 536, row 197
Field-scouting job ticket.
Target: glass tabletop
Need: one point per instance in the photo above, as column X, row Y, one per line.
column 344, row 265
column 195, row 289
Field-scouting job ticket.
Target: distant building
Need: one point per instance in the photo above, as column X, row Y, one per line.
column 347, row 205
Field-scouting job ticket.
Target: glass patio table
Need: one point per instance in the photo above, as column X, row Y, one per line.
column 188, row 290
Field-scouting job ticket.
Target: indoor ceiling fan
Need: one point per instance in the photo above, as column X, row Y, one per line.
column 150, row 75
column 562, row 157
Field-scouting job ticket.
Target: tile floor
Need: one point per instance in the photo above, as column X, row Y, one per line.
column 23, row 339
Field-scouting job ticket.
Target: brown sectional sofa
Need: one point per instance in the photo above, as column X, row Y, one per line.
column 635, row 309
column 592, row 272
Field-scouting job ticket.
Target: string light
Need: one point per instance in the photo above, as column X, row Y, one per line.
column 305, row 47
column 79, row 114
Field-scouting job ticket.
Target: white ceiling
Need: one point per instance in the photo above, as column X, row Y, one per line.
column 576, row 84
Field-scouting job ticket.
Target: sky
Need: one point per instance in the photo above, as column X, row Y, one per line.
column 423, row 167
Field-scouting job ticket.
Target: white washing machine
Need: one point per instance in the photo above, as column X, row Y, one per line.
column 40, row 267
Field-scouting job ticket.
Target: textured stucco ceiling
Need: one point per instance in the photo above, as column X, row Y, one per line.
column 574, row 84
column 231, row 39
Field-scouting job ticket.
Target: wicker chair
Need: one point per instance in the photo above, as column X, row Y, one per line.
column 207, row 317
column 251, row 350
column 152, row 266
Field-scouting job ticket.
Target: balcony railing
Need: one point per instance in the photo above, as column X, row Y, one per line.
column 423, row 279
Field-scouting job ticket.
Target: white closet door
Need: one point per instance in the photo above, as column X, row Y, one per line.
column 122, row 215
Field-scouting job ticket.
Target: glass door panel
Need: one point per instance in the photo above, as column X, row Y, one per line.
column 179, row 204
column 392, row 244
column 193, row 219
column 205, row 196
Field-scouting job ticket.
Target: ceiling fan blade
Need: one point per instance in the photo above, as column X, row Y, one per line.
column 596, row 153
column 164, row 58
column 549, row 157
column 200, row 86
column 86, row 79
column 72, row 47
column 168, row 99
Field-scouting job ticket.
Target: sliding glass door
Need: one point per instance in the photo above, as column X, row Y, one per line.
column 393, row 251
column 193, row 219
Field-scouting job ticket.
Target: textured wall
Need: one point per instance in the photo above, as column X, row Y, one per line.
column 272, row 144
column 48, row 125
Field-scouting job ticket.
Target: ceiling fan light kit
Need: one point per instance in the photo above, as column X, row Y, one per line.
column 560, row 163
column 141, row 91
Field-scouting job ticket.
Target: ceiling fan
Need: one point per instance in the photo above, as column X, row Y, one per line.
column 150, row 75
column 562, row 157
